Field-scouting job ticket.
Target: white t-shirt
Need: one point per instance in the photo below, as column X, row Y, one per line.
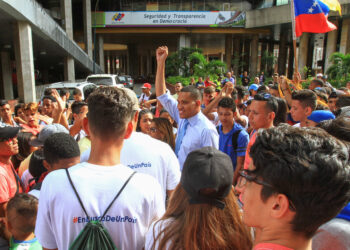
column 147, row 155
column 60, row 217
column 154, row 230
column 144, row 98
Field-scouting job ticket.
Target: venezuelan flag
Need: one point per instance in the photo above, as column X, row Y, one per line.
column 312, row 15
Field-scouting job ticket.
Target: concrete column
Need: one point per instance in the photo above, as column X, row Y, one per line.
column 101, row 57
column 68, row 68
column 263, row 51
column 67, row 23
column 113, row 65
column 133, row 60
column 24, row 62
column 236, row 54
column 228, row 51
column 282, row 54
column 142, row 65
column 303, row 51
column 331, row 47
column 6, row 75
column 291, row 62
column 254, row 56
column 222, row 57
column 67, row 20
column 345, row 37
column 87, row 27
column 108, row 64
column 184, row 41
column 246, row 55
column 149, row 63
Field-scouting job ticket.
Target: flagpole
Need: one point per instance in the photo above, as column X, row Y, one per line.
column 294, row 37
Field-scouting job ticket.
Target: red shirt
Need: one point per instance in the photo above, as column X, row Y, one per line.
column 270, row 246
column 8, row 183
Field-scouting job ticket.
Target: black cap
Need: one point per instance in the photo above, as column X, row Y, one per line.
column 207, row 168
column 8, row 132
column 333, row 95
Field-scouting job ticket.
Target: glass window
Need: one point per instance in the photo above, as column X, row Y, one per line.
column 281, row 2
column 100, row 80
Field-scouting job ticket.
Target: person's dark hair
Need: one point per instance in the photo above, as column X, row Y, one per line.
column 328, row 90
column 23, row 139
column 319, row 82
column 262, row 89
column 142, row 113
column 76, row 107
column 227, row 102
column 339, row 128
column 76, row 92
column 110, row 110
column 271, row 103
column 240, row 91
column 306, row 97
column 88, row 90
column 152, row 97
column 195, row 93
column 3, row 102
column 26, row 207
column 36, row 167
column 50, row 97
column 47, row 91
column 343, row 101
column 60, row 146
column 321, row 107
column 248, row 102
column 297, row 162
column 18, row 107
column 322, row 96
column 281, row 115
column 63, row 92
column 166, row 128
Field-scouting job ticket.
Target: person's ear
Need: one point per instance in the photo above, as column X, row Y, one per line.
column 86, row 126
column 46, row 165
column 198, row 103
column 308, row 111
column 279, row 206
column 271, row 116
column 129, row 129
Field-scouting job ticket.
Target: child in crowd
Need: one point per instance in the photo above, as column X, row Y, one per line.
column 21, row 216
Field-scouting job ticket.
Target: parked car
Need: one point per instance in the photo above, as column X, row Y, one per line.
column 105, row 80
column 127, row 81
column 71, row 86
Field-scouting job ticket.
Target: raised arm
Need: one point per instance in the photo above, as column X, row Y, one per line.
column 161, row 54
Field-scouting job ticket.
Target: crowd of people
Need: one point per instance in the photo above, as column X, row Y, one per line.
column 213, row 165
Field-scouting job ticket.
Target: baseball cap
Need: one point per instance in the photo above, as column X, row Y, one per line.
column 146, row 86
column 253, row 87
column 207, row 168
column 46, row 132
column 321, row 115
column 8, row 132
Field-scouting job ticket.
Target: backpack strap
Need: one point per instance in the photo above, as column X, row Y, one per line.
column 76, row 193
column 81, row 203
column 235, row 139
column 120, row 191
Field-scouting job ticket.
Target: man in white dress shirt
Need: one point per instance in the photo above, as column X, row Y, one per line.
column 195, row 130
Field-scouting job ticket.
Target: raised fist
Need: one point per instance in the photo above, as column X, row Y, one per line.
column 162, row 53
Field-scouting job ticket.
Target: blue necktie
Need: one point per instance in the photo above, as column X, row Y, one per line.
column 180, row 136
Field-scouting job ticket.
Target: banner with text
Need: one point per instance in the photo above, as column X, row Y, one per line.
column 169, row 18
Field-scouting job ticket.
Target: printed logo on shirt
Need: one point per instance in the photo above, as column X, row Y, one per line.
column 140, row 165
column 106, row 218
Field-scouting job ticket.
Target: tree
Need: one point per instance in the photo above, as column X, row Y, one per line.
column 268, row 60
column 340, row 68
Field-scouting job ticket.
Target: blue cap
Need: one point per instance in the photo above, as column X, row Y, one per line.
column 321, row 115
column 253, row 87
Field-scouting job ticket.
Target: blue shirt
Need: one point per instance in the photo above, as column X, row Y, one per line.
column 225, row 143
column 200, row 131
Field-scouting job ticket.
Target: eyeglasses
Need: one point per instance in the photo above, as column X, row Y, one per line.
column 245, row 177
column 153, row 129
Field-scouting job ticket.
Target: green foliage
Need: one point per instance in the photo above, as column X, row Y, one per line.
column 191, row 62
column 339, row 71
column 268, row 59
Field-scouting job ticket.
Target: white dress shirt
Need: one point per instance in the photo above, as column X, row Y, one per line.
column 200, row 132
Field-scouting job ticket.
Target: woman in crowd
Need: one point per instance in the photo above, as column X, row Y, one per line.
column 162, row 129
column 144, row 122
column 24, row 148
column 202, row 214
column 165, row 114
